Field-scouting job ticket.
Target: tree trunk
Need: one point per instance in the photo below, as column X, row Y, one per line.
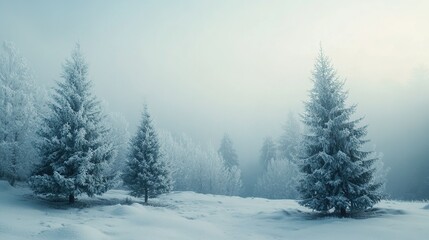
column 145, row 195
column 12, row 181
column 71, row 198
column 14, row 162
column 343, row 212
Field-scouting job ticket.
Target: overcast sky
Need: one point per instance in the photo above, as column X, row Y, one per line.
column 209, row 67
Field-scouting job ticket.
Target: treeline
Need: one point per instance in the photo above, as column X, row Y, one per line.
column 66, row 145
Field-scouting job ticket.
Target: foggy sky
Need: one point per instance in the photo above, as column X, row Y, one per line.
column 237, row 66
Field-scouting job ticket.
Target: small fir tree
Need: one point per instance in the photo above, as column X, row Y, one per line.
column 146, row 173
column 336, row 173
column 268, row 152
column 227, row 152
column 73, row 145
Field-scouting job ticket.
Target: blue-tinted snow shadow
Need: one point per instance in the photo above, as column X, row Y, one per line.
column 85, row 202
column 296, row 214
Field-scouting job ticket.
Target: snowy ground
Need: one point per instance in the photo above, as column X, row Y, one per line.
column 187, row 215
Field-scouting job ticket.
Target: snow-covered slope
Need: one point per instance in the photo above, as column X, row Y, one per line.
column 187, row 215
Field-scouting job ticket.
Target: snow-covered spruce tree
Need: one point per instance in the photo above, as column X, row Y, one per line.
column 268, row 152
column 18, row 116
column 289, row 141
column 146, row 173
column 227, row 152
column 336, row 173
column 74, row 149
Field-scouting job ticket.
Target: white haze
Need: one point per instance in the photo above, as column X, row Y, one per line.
column 239, row 66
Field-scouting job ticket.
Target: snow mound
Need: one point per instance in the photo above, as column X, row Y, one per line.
column 73, row 232
column 280, row 214
column 386, row 211
column 426, row 207
column 124, row 210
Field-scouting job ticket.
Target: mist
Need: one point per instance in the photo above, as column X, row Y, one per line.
column 239, row 67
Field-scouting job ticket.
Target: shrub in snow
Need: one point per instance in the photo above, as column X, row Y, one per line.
column 18, row 116
column 278, row 181
column 146, row 173
column 336, row 173
column 74, row 150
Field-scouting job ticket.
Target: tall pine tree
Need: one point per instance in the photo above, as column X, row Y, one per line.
column 146, row 173
column 74, row 148
column 336, row 173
